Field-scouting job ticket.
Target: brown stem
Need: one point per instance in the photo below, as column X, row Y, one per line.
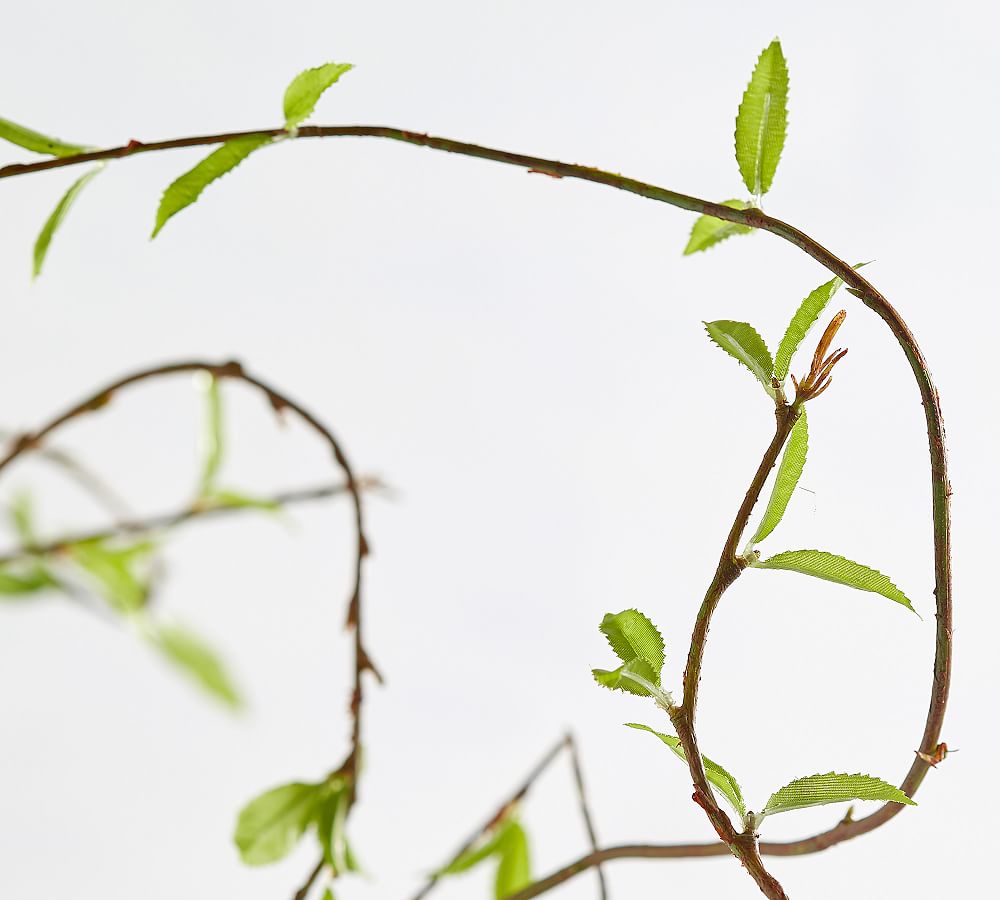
column 504, row 808
column 588, row 819
column 752, row 218
column 303, row 891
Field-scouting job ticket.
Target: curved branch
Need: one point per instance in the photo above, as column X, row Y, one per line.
column 753, row 218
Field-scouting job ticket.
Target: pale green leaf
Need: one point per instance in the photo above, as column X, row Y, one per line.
column 53, row 222
column 330, row 820
column 20, row 581
column 186, row 189
column 328, row 894
column 629, row 677
column 236, row 500
column 270, row 825
column 793, row 460
column 37, row 143
column 742, row 342
column 190, row 654
column 117, row 570
column 831, row 567
column 708, row 231
column 805, row 317
column 213, row 445
column 22, row 517
column 632, row 636
column 717, row 776
column 514, row 870
column 817, row 790
column 306, row 89
column 761, row 121
column 477, row 853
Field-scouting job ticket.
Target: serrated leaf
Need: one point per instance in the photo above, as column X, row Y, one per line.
column 270, row 825
column 213, row 445
column 514, row 869
column 708, row 231
column 831, row 567
column 197, row 660
column 762, row 119
column 793, row 461
column 717, row 776
column 185, row 190
column 742, row 342
column 618, row 679
column 117, row 570
column 35, row 141
column 53, row 222
column 817, row 790
column 633, row 636
column 805, row 317
column 306, row 88
column 18, row 582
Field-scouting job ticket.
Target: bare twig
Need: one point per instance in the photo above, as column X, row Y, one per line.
column 588, row 819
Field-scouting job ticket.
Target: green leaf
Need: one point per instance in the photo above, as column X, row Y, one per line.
column 328, row 894
column 717, row 776
column 514, row 870
column 632, row 636
column 793, row 460
column 817, row 790
column 270, row 825
column 709, row 231
column 742, row 342
column 22, row 517
column 306, row 89
column 186, row 189
column 330, row 821
column 190, row 654
column 831, row 567
column 618, row 679
column 36, row 142
column 761, row 121
column 805, row 317
column 53, row 222
column 236, row 500
column 18, row 585
column 477, row 853
column 213, row 438
column 118, row 571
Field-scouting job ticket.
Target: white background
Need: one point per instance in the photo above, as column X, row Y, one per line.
column 522, row 359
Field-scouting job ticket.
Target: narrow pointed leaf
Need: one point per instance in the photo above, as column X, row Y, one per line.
column 19, row 582
column 56, row 219
column 306, row 89
column 22, row 517
column 717, row 776
column 514, row 870
column 117, row 570
column 36, row 142
column 742, row 342
column 330, row 820
column 817, row 790
column 617, row 679
column 831, row 567
column 805, row 317
column 633, row 636
column 761, row 121
column 793, row 461
column 709, row 231
column 474, row 855
column 186, row 189
column 198, row 661
column 270, row 825
column 236, row 500
column 213, row 445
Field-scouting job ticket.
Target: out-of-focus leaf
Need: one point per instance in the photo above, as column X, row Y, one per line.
column 234, row 499
column 53, row 222
column 831, row 567
column 717, row 776
column 197, row 660
column 19, row 582
column 306, row 88
column 22, row 517
column 213, row 445
column 36, row 142
column 330, row 820
column 708, row 231
column 793, row 461
column 185, row 190
column 762, row 119
column 270, row 825
column 514, row 869
column 481, row 850
column 117, row 570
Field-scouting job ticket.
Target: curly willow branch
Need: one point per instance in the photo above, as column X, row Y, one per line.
column 753, row 218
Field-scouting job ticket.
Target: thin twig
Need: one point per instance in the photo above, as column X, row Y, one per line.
column 502, row 811
column 588, row 820
column 752, row 218
column 166, row 521
column 301, row 893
